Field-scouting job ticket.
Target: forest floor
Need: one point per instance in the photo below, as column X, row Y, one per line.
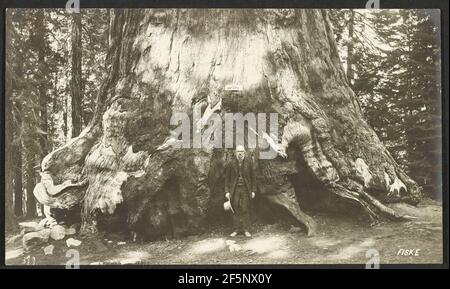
column 338, row 241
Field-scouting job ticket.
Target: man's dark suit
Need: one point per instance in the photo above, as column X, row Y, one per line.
column 240, row 193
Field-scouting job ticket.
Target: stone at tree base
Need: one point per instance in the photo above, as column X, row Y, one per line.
column 49, row 250
column 71, row 242
column 33, row 238
column 58, row 232
column 28, row 230
column 34, row 226
column 71, row 231
column 30, row 227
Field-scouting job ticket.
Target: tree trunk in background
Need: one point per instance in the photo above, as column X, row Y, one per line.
column 76, row 81
column 18, row 146
column 42, row 81
column 31, row 182
column 166, row 61
column 18, row 184
column 43, row 73
column 10, row 219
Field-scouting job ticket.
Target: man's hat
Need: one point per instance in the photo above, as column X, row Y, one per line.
column 227, row 206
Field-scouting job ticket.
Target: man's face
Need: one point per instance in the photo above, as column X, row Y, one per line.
column 240, row 155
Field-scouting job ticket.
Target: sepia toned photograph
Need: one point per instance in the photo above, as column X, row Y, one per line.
column 174, row 136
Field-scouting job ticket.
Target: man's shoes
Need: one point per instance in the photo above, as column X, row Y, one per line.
column 233, row 234
column 247, row 234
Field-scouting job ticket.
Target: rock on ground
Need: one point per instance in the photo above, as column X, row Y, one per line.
column 71, row 242
column 58, row 232
column 49, row 250
column 32, row 238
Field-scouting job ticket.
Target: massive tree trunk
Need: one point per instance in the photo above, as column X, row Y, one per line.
column 166, row 61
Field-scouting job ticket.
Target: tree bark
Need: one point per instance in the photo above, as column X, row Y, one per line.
column 166, row 61
column 18, row 185
column 31, row 182
column 10, row 219
column 18, row 149
column 76, row 80
column 41, row 44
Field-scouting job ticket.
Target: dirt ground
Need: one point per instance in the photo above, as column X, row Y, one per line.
column 338, row 241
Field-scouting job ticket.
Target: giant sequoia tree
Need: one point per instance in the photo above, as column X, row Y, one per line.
column 166, row 61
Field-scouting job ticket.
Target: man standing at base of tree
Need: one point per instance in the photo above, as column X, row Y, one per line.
column 240, row 187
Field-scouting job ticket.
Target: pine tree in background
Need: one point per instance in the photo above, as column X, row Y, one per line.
column 422, row 116
column 26, row 108
column 10, row 218
column 393, row 67
column 40, row 74
column 76, row 86
column 15, row 61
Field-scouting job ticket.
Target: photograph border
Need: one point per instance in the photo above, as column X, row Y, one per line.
column 319, row 4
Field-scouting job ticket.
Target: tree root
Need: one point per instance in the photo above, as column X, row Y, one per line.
column 55, row 196
column 367, row 202
column 384, row 209
column 341, row 191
